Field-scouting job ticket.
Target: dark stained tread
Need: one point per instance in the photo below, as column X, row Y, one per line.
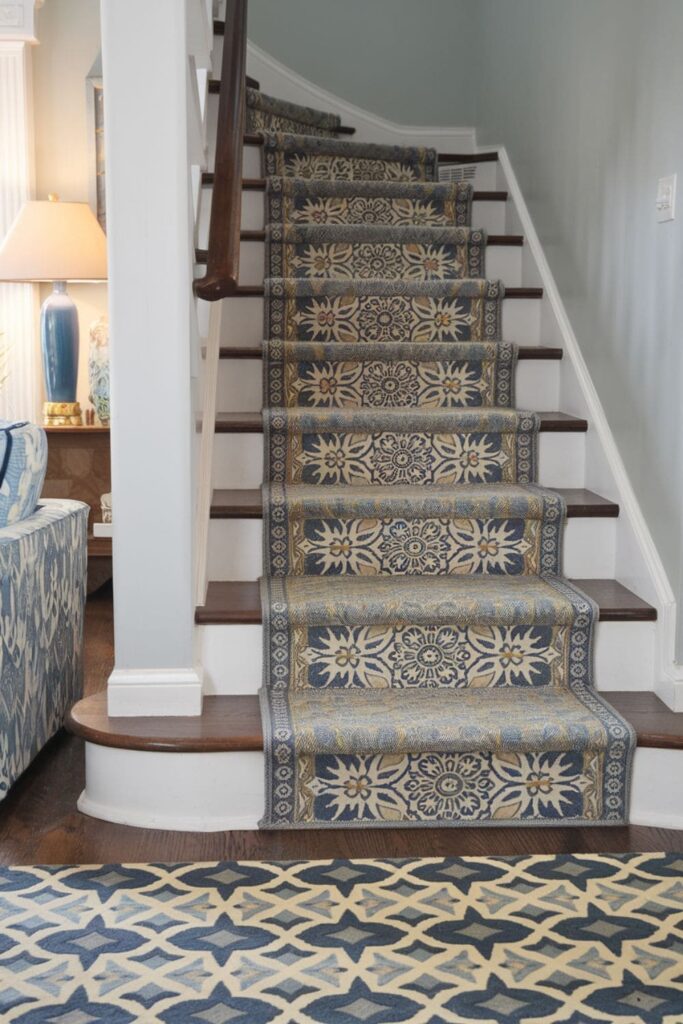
column 250, row 290
column 444, row 158
column 245, row 503
column 251, row 423
column 256, row 352
column 259, row 185
column 200, row 255
column 233, row 723
column 490, row 157
column 238, row 602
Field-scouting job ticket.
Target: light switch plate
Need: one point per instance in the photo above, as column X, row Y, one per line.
column 666, row 198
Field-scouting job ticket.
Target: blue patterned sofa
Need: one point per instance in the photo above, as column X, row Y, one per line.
column 43, row 566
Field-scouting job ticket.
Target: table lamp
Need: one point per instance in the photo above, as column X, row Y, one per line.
column 58, row 242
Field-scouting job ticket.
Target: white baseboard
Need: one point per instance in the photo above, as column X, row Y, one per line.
column 155, row 691
column 225, row 791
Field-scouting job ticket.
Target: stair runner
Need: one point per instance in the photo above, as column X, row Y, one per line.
column 426, row 663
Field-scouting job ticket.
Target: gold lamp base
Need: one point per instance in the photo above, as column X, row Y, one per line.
column 62, row 414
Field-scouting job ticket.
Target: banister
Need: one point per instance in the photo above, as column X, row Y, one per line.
column 222, row 269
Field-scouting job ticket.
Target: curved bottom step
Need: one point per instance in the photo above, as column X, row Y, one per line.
column 206, row 774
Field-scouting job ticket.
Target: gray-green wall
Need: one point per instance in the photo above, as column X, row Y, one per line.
column 587, row 96
column 391, row 57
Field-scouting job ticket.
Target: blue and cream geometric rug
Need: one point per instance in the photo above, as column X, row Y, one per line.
column 523, row 940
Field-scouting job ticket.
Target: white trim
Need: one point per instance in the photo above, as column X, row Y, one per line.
column 19, row 303
column 224, row 791
column 668, row 676
column 139, row 692
column 205, row 471
column 278, row 79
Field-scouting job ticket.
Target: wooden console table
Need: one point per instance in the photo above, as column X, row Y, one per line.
column 79, row 466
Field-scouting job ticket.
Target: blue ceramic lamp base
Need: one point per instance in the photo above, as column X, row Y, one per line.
column 59, row 345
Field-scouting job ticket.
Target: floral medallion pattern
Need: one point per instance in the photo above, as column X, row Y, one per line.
column 425, row 661
column 296, row 201
column 362, row 531
column 391, row 447
column 383, row 311
column 305, row 156
column 390, row 376
column 457, row 788
column 450, row 655
column 268, row 114
column 387, row 254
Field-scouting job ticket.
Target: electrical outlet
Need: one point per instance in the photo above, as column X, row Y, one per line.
column 666, row 198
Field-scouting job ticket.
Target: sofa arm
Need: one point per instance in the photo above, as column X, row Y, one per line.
column 43, row 569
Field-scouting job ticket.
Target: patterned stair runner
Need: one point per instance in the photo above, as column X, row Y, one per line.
column 426, row 663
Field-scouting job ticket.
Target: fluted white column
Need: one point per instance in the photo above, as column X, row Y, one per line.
column 20, row 391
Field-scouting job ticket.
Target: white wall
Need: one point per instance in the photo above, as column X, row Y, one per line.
column 587, row 96
column 69, row 35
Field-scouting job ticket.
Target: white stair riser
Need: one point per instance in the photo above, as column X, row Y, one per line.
column 487, row 215
column 232, row 657
column 252, row 163
column 503, row 263
column 235, row 549
column 225, row 791
column 238, row 460
column 240, row 388
column 243, row 321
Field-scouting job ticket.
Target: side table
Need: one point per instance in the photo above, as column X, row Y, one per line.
column 79, row 466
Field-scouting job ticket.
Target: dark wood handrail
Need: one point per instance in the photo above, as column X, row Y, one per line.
column 222, row 270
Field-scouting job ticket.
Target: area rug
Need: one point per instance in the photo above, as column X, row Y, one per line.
column 571, row 939
column 425, row 661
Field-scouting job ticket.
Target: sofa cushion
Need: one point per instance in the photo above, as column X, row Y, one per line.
column 23, row 461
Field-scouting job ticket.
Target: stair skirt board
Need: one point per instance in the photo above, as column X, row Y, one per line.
column 215, row 792
column 232, row 656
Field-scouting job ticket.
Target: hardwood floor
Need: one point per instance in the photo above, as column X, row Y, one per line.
column 39, row 823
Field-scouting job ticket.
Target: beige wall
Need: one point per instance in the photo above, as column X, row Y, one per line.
column 69, row 35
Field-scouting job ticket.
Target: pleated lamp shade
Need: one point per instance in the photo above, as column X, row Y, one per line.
column 54, row 241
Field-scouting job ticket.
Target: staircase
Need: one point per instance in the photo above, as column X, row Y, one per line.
column 181, row 772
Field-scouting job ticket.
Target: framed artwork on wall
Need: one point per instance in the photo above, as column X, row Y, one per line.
column 95, row 99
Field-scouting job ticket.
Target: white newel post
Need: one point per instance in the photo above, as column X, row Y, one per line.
column 145, row 54
column 19, row 362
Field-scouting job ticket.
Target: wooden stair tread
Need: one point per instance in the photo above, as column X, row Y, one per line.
column 245, row 291
column 256, row 352
column 238, row 602
column 200, row 255
column 444, row 158
column 259, row 185
column 233, row 723
column 246, row 503
column 252, row 423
